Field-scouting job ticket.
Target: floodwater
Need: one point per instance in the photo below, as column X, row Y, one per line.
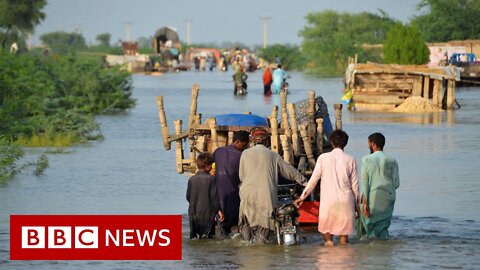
column 436, row 220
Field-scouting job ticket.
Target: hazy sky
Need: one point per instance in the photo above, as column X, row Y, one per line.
column 211, row 20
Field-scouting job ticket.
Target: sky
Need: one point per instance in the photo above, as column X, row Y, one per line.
column 210, row 20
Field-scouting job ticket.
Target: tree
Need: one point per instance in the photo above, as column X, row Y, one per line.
column 20, row 15
column 289, row 55
column 104, row 39
column 444, row 20
column 331, row 37
column 62, row 42
column 405, row 45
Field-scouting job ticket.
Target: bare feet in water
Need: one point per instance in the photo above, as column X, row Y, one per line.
column 329, row 244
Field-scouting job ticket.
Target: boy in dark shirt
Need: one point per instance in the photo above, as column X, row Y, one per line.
column 203, row 199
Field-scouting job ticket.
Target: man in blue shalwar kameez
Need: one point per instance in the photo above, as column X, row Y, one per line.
column 227, row 161
column 278, row 77
column 378, row 183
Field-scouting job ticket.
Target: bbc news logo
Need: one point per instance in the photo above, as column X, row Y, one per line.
column 59, row 237
column 95, row 237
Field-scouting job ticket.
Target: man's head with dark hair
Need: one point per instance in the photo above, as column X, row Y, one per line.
column 241, row 139
column 376, row 140
column 339, row 138
column 204, row 160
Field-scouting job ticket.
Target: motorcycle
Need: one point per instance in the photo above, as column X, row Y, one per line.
column 286, row 216
column 240, row 89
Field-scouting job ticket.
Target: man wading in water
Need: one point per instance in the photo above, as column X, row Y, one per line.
column 260, row 168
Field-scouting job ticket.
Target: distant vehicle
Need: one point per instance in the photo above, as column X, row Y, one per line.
column 463, row 59
column 470, row 68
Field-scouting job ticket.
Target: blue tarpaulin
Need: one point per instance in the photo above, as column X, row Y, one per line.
column 242, row 120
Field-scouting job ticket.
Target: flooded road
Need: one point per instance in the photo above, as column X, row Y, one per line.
column 436, row 219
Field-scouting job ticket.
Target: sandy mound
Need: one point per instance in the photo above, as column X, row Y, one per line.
column 416, row 105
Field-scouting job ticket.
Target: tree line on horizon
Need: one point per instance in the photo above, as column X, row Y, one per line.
column 329, row 37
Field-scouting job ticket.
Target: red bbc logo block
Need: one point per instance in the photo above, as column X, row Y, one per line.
column 95, row 237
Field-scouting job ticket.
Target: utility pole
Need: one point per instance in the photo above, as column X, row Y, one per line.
column 77, row 28
column 265, row 30
column 188, row 25
column 128, row 26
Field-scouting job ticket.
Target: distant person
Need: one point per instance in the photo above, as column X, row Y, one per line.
column 267, row 81
column 337, row 173
column 227, row 163
column 196, row 62
column 240, row 78
column 225, row 64
column 260, row 169
column 279, row 77
column 211, row 62
column 203, row 203
column 236, row 65
column 203, row 63
column 380, row 179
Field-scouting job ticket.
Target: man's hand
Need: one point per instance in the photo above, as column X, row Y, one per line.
column 298, row 202
column 220, row 216
column 357, row 210
column 365, row 210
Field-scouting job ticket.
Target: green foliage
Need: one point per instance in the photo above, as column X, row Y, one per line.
column 290, row 55
column 20, row 15
column 331, row 37
column 444, row 20
column 41, row 164
column 63, row 42
column 9, row 154
column 405, row 45
column 104, row 39
column 52, row 101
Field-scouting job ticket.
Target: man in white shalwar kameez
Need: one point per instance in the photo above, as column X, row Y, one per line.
column 337, row 173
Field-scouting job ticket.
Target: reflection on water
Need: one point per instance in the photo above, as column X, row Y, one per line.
column 432, row 118
column 436, row 219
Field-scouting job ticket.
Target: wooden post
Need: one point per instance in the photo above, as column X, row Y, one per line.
column 287, row 156
column 426, row 87
column 198, row 119
column 283, row 110
column 338, row 115
column 192, row 120
column 230, row 137
column 193, row 106
column 302, row 164
column 436, row 92
column 295, row 141
column 201, row 143
column 319, row 136
column 213, row 132
column 192, row 155
column 450, row 94
column 311, row 117
column 163, row 123
column 274, row 130
column 308, row 147
column 356, row 58
column 178, row 146
column 417, row 86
